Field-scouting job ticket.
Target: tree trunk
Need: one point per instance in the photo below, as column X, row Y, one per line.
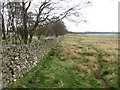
column 30, row 39
column 3, row 28
column 25, row 38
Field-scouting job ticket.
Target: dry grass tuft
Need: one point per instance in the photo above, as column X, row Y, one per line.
column 79, row 51
column 82, row 68
column 90, row 52
column 80, row 46
column 69, row 53
column 93, row 66
column 72, row 47
column 70, row 50
column 91, row 59
column 70, row 43
column 111, row 59
column 108, row 43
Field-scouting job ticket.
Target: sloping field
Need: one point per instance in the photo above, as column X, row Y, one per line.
column 78, row 61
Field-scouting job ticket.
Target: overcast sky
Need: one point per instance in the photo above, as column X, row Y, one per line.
column 102, row 16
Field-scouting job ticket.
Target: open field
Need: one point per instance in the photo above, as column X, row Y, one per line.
column 107, row 42
column 78, row 61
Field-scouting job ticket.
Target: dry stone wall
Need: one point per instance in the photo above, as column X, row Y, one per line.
column 17, row 60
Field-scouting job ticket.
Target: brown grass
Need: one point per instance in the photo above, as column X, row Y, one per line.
column 90, row 52
column 92, row 59
column 70, row 49
column 108, row 43
column 79, row 51
column 82, row 68
column 80, row 46
column 70, row 43
column 111, row 59
column 94, row 66
column 69, row 53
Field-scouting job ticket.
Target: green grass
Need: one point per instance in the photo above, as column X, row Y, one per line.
column 105, row 67
column 57, row 72
column 53, row 72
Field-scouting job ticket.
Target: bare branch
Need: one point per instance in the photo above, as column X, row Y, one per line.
column 28, row 6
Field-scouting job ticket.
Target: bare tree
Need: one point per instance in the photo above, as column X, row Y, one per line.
column 49, row 9
column 46, row 11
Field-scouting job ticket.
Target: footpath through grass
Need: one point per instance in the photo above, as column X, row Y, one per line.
column 71, row 64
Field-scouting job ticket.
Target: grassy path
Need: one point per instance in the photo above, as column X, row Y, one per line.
column 72, row 64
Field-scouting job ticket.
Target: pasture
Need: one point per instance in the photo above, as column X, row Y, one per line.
column 77, row 61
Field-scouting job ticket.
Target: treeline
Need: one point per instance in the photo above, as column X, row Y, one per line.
column 93, row 32
column 53, row 28
column 20, row 24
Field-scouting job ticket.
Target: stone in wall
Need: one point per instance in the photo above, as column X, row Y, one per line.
column 17, row 60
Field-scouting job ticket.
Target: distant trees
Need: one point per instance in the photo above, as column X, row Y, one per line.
column 20, row 23
column 59, row 28
column 52, row 28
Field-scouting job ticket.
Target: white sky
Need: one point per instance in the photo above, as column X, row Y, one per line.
column 102, row 16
